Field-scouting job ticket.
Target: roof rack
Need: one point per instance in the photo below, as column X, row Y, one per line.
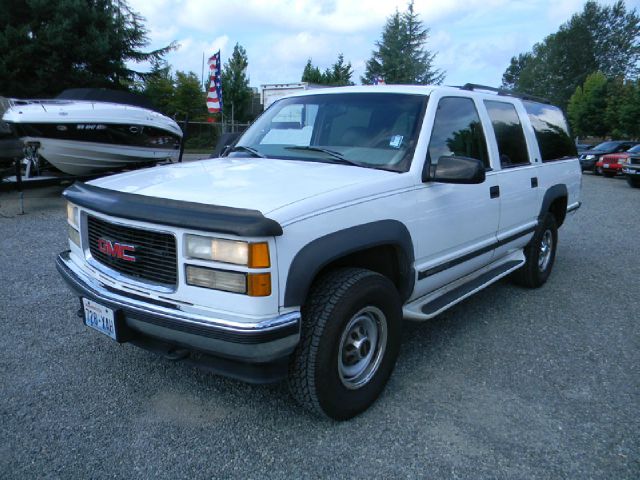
column 503, row 92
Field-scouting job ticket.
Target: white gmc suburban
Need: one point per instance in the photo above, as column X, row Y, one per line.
column 335, row 216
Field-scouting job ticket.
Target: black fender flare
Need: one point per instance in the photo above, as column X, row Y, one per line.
column 551, row 195
column 317, row 254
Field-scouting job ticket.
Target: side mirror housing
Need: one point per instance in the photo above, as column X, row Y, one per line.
column 452, row 169
column 226, row 141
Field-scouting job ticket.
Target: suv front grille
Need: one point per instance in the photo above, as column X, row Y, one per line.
column 634, row 160
column 154, row 252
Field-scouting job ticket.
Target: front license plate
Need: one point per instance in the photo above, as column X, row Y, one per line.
column 99, row 318
column 606, row 165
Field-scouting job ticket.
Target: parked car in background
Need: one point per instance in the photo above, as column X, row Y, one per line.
column 589, row 158
column 631, row 167
column 611, row 165
column 583, row 147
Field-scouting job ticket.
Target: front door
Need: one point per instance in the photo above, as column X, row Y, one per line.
column 455, row 225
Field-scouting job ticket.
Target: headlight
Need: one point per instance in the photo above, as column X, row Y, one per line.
column 73, row 215
column 589, row 157
column 255, row 255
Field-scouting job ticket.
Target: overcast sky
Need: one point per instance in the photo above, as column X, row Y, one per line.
column 474, row 39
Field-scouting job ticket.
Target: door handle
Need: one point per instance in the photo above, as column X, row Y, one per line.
column 494, row 192
column 534, row 182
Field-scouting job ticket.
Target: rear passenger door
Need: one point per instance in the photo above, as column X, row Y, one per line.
column 517, row 175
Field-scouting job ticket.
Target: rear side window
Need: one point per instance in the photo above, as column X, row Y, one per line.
column 457, row 131
column 551, row 131
column 512, row 145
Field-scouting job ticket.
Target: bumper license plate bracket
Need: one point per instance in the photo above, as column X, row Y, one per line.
column 105, row 320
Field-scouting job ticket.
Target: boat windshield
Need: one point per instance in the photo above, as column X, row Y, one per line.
column 373, row 130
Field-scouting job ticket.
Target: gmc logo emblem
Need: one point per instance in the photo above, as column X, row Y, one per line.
column 117, row 250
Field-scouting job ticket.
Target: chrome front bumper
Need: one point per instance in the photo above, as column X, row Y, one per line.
column 259, row 342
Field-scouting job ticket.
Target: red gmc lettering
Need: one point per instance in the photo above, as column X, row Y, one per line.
column 118, row 250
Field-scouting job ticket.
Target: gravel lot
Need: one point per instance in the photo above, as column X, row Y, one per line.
column 509, row 384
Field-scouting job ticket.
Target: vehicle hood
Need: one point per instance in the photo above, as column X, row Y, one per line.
column 260, row 184
column 596, row 152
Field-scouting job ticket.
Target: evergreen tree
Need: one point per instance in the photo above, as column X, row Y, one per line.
column 235, row 86
column 401, row 56
column 339, row 74
column 48, row 46
column 312, row 74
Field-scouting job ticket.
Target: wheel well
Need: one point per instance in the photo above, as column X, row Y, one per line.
column 559, row 209
column 386, row 260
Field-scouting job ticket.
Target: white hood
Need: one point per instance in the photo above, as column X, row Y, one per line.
column 253, row 183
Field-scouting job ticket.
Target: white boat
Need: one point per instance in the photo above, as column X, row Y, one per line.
column 87, row 131
column 10, row 145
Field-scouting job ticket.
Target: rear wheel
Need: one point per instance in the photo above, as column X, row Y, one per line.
column 540, row 255
column 349, row 343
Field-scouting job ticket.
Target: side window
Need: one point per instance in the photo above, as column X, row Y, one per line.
column 457, row 131
column 512, row 146
column 552, row 131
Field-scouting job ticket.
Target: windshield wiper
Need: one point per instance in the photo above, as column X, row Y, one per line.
column 252, row 151
column 336, row 155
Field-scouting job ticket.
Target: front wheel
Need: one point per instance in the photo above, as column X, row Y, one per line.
column 597, row 170
column 349, row 343
column 540, row 254
column 633, row 182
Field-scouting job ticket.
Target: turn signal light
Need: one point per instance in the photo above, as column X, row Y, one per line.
column 259, row 284
column 259, row 255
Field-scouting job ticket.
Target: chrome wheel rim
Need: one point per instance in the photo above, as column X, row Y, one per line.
column 546, row 247
column 362, row 347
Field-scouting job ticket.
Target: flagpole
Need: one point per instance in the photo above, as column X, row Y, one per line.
column 204, row 87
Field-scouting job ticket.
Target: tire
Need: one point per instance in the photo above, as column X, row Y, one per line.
column 536, row 270
column 633, row 182
column 597, row 170
column 350, row 315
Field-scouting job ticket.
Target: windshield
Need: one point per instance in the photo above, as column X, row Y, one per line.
column 373, row 130
column 606, row 146
column 635, row 149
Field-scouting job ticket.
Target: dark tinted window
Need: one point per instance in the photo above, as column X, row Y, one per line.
column 551, row 131
column 457, row 131
column 606, row 146
column 512, row 145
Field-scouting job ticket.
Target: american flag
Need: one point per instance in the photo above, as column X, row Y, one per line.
column 214, row 95
column 378, row 80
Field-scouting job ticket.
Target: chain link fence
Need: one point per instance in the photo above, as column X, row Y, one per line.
column 203, row 136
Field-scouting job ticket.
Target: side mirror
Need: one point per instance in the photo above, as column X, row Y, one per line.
column 458, row 170
column 226, row 141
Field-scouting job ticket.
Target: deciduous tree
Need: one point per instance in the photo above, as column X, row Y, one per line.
column 600, row 38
